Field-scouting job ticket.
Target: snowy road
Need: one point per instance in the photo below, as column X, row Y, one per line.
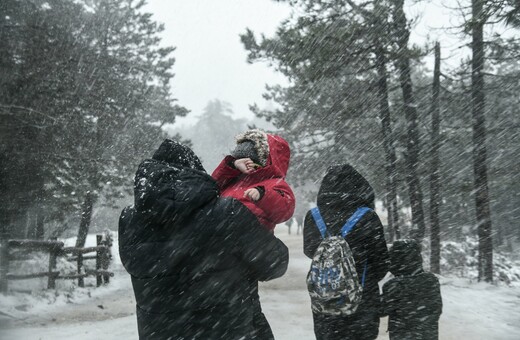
column 471, row 311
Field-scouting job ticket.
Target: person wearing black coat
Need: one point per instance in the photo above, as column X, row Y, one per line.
column 194, row 258
column 412, row 299
column 342, row 191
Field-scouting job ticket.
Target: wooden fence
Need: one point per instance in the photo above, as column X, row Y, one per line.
column 20, row 250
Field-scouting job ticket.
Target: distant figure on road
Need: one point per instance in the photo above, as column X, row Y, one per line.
column 343, row 193
column 194, row 258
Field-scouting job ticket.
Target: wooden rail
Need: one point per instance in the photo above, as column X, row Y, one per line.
column 31, row 276
column 36, row 245
column 18, row 250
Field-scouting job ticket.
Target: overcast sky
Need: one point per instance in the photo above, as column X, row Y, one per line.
column 211, row 61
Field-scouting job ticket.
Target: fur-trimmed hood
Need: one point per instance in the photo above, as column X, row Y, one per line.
column 273, row 152
column 260, row 141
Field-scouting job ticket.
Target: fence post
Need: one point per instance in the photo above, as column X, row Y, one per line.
column 4, row 262
column 79, row 259
column 99, row 259
column 107, row 256
column 53, row 254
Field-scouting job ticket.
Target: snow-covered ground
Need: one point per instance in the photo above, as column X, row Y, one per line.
column 471, row 311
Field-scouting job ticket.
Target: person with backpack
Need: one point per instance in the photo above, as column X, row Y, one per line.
column 194, row 258
column 345, row 240
column 412, row 299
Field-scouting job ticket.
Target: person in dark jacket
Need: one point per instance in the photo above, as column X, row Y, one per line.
column 191, row 254
column 342, row 191
column 412, row 299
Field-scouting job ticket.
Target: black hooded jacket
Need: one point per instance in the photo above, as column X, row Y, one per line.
column 194, row 258
column 412, row 299
column 342, row 191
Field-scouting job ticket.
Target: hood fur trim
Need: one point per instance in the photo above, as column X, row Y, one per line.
column 259, row 138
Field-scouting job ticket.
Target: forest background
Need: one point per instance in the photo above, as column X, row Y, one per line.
column 86, row 93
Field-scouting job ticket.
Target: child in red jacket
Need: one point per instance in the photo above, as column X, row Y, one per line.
column 254, row 174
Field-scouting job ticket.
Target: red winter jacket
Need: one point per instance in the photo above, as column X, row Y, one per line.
column 277, row 203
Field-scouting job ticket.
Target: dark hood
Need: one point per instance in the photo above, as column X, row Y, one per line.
column 343, row 188
column 172, row 184
column 178, row 155
column 405, row 258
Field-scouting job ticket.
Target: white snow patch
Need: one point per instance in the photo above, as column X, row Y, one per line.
column 40, row 300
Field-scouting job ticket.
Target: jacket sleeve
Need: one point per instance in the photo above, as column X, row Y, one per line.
column 311, row 236
column 224, row 173
column 263, row 253
column 278, row 200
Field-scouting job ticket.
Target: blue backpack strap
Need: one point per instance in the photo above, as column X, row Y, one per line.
column 360, row 212
column 352, row 221
column 320, row 223
column 364, row 275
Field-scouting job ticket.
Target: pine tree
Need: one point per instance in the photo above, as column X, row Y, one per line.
column 410, row 109
column 435, row 201
column 86, row 94
column 339, row 56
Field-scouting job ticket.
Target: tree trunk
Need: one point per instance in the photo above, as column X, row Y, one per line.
column 41, row 209
column 434, row 176
column 483, row 211
column 86, row 215
column 410, row 106
column 40, row 225
column 4, row 261
column 388, row 144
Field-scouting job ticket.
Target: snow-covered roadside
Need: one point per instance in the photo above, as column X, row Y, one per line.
column 70, row 310
column 471, row 310
column 479, row 310
column 41, row 301
column 116, row 329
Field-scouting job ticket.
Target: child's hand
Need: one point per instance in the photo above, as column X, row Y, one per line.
column 245, row 165
column 253, row 194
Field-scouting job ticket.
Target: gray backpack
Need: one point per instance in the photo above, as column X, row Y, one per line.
column 332, row 281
